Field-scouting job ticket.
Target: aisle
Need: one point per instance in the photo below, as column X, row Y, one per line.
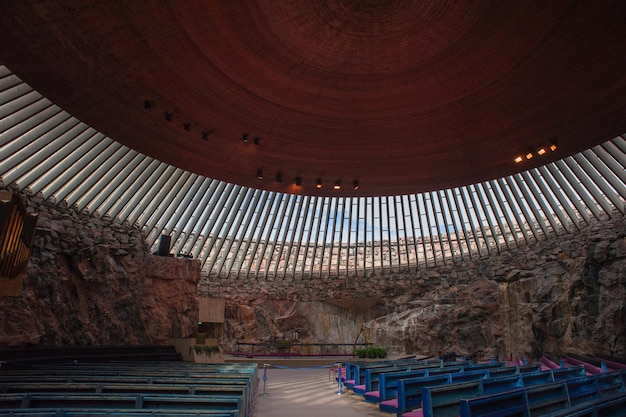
column 308, row 393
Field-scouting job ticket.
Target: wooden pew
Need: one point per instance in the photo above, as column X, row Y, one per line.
column 611, row 407
column 563, row 374
column 504, row 404
column 73, row 412
column 543, row 399
column 537, row 378
column 388, row 384
column 583, row 390
column 410, row 393
column 371, row 379
column 443, row 401
column 611, row 383
column 501, row 384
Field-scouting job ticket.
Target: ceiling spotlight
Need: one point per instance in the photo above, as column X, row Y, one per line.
column 337, row 185
column 169, row 116
column 187, row 126
column 553, row 144
column 518, row 159
column 244, row 137
column 279, row 177
column 259, row 174
column 318, row 184
column 355, row 185
column 529, row 155
column 541, row 151
column 298, row 181
column 205, row 135
column 147, row 104
column 257, row 140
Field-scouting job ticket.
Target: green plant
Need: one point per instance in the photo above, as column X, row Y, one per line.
column 360, row 352
column 206, row 350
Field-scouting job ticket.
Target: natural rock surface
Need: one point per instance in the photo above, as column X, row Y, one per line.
column 566, row 293
column 91, row 281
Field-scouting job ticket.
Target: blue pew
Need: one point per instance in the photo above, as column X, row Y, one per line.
column 563, row 374
column 410, row 393
column 443, row 401
column 371, row 379
column 611, row 383
column 469, row 376
column 501, row 384
column 537, row 378
column 357, row 372
column 583, row 390
column 504, row 404
column 543, row 399
column 388, row 384
column 611, row 407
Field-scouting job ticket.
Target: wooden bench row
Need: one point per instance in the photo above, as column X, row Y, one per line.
column 410, row 391
column 598, row 395
column 116, row 389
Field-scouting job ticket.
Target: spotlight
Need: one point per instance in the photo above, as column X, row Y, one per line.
column 168, row 116
column 541, row 151
column 319, row 183
column 147, row 104
column 259, row 174
column 518, row 159
column 529, row 155
column 298, row 181
column 355, row 185
column 553, row 144
column 187, row 127
column 279, row 177
column 257, row 140
column 205, row 135
column 337, row 185
column 244, row 137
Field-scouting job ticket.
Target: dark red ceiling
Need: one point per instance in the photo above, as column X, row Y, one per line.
column 403, row 96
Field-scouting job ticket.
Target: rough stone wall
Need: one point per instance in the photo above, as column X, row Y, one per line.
column 557, row 295
column 91, row 281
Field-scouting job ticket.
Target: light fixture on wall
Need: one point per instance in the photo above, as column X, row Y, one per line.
column 337, row 185
column 279, row 177
column 298, row 181
column 318, row 184
column 355, row 185
column 259, row 174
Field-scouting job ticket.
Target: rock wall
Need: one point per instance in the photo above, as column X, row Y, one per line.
column 566, row 293
column 91, row 281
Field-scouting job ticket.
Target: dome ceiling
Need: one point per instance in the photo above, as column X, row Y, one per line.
column 400, row 96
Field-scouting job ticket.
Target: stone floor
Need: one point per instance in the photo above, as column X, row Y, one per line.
column 308, row 392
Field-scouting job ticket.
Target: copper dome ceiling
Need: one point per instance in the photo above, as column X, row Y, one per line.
column 401, row 96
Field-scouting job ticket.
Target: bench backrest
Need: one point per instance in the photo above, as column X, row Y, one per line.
column 506, row 371
column 372, row 376
column 388, row 382
column 563, row 374
column 537, row 378
column 410, row 390
column 613, row 407
column 543, row 399
column 480, row 366
column 501, row 384
column 444, row 400
column 445, row 370
column 469, row 376
column 504, row 404
column 359, row 371
column 611, row 383
column 583, row 389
